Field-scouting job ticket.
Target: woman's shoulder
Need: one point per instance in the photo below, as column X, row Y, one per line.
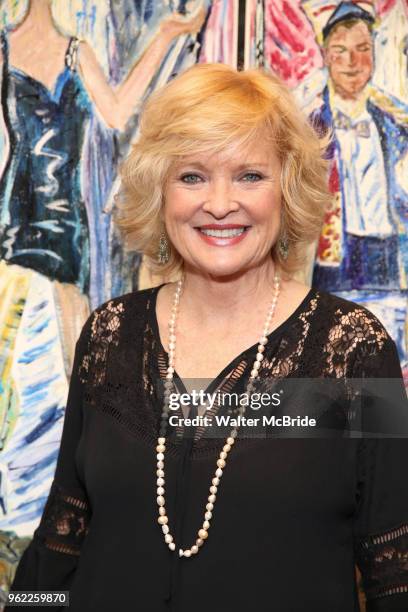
column 106, row 319
column 350, row 326
column 335, row 316
column 115, row 324
column 351, row 314
column 132, row 299
column 331, row 334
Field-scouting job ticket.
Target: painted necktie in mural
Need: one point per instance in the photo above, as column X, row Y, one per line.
column 73, row 76
column 337, row 57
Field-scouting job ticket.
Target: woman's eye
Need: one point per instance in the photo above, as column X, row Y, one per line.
column 253, row 174
column 193, row 179
column 187, row 176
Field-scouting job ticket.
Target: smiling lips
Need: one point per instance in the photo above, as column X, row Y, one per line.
column 222, row 235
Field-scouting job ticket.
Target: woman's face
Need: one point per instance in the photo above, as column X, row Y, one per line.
column 222, row 211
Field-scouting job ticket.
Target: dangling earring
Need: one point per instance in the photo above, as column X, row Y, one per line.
column 164, row 253
column 283, row 247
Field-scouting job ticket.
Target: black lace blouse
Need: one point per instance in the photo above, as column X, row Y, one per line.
column 293, row 515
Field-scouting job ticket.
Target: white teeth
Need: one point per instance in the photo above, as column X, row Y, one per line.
column 225, row 233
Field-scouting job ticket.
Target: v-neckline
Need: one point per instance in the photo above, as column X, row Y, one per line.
column 252, row 349
column 51, row 92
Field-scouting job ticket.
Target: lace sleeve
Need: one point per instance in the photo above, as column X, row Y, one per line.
column 381, row 518
column 50, row 560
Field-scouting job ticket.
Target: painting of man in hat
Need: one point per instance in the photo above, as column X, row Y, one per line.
column 362, row 253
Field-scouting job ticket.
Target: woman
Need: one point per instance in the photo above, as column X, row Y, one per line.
column 225, row 187
column 51, row 85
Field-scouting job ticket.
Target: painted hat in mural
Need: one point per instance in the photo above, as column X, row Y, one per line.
column 345, row 11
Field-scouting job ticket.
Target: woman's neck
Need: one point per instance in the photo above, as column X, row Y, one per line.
column 39, row 17
column 211, row 299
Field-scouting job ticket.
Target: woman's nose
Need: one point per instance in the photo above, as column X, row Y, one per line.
column 220, row 200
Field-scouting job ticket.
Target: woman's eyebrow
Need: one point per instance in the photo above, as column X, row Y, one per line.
column 198, row 164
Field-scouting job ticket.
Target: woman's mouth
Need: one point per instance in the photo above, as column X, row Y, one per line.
column 222, row 237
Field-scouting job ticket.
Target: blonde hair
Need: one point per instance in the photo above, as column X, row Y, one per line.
column 209, row 108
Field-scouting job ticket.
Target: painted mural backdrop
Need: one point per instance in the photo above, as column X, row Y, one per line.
column 73, row 76
column 65, row 124
column 347, row 64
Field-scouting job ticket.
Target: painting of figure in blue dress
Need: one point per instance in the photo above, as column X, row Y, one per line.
column 74, row 75
column 347, row 64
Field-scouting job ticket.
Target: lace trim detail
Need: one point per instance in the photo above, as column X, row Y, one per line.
column 287, row 359
column 353, row 329
column 123, row 360
column 65, row 521
column 104, row 333
column 385, row 537
column 383, row 561
column 226, row 385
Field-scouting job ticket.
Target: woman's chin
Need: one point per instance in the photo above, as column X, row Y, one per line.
column 220, row 269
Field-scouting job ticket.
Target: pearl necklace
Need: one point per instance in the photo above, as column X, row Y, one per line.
column 221, row 462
